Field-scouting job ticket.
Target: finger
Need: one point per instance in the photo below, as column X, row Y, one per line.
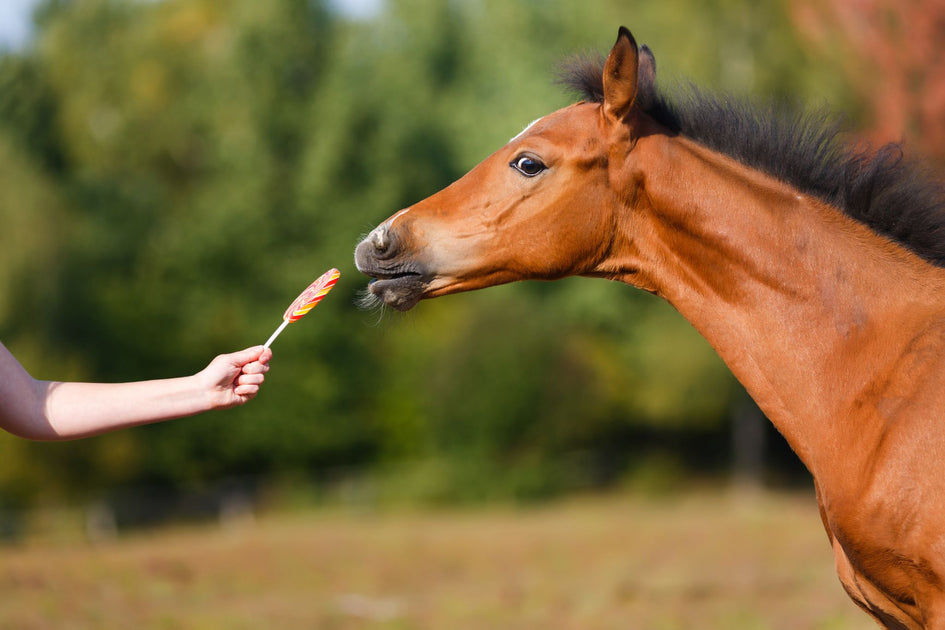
column 243, row 357
column 246, row 391
column 255, row 368
column 250, row 379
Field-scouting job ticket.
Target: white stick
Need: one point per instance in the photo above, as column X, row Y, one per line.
column 276, row 334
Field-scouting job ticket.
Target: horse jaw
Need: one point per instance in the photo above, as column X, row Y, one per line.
column 401, row 294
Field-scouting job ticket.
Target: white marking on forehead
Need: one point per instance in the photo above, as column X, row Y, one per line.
column 522, row 132
column 397, row 216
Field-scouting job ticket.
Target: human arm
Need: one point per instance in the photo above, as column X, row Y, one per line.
column 49, row 410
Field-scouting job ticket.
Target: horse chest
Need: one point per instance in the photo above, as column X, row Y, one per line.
column 885, row 559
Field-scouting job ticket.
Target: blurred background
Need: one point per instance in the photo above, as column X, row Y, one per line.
column 538, row 455
column 173, row 173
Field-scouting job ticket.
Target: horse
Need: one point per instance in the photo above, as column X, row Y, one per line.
column 812, row 264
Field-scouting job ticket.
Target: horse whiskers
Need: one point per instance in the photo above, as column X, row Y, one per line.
column 367, row 301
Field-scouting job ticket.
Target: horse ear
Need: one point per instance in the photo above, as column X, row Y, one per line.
column 646, row 79
column 620, row 76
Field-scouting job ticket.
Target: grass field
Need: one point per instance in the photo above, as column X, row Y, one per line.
column 700, row 560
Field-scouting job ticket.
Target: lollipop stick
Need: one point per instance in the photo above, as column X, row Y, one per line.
column 276, row 334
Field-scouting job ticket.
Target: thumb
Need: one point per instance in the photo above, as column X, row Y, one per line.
column 248, row 355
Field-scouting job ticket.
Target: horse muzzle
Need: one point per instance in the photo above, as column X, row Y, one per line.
column 398, row 281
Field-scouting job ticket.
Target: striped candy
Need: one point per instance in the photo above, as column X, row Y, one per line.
column 311, row 296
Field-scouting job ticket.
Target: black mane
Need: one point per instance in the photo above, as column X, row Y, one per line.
column 878, row 187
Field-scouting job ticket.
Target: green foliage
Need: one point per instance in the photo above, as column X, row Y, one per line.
column 173, row 173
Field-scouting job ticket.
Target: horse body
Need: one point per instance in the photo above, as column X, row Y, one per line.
column 840, row 338
column 835, row 330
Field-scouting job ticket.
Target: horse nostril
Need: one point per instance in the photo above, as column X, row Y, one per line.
column 380, row 239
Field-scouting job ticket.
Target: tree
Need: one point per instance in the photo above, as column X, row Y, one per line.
column 894, row 53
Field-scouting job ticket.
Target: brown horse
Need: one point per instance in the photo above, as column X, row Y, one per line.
column 812, row 267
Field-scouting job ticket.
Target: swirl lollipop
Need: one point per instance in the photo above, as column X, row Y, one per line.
column 307, row 300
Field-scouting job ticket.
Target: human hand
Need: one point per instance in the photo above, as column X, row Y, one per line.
column 234, row 379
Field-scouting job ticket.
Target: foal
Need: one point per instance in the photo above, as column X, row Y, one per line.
column 814, row 270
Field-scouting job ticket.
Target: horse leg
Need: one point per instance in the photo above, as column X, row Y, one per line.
column 860, row 590
column 934, row 614
column 873, row 601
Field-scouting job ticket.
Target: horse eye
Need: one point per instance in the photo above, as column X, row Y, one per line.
column 527, row 166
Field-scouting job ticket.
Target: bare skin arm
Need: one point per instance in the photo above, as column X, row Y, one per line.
column 49, row 410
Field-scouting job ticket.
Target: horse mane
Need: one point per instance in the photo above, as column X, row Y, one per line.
column 893, row 196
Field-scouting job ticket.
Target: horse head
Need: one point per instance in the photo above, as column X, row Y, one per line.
column 541, row 207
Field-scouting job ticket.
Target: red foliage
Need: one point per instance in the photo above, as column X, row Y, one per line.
column 894, row 55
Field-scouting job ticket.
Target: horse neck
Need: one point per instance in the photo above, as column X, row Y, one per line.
column 806, row 306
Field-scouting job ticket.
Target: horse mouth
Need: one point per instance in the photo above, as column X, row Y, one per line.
column 400, row 290
column 382, row 277
column 396, row 281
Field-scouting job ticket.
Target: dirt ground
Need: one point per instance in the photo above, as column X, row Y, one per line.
column 700, row 560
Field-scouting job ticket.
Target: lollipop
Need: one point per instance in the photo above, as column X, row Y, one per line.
column 307, row 300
